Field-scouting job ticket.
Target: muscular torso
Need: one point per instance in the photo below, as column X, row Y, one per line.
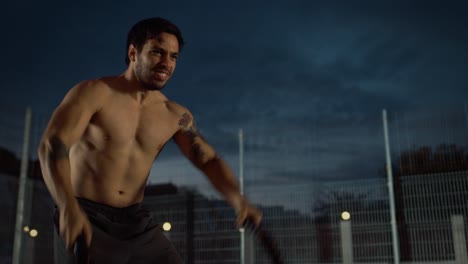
column 112, row 160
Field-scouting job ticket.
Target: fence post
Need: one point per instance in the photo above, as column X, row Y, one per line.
column 459, row 241
column 391, row 195
column 250, row 248
column 241, row 185
column 346, row 242
column 22, row 189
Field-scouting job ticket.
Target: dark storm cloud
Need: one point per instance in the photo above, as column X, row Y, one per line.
column 338, row 58
column 325, row 49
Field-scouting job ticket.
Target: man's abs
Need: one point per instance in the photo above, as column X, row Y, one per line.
column 113, row 179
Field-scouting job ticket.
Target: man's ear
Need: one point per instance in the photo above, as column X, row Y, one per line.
column 132, row 53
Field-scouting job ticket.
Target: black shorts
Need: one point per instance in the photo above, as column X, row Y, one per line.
column 120, row 235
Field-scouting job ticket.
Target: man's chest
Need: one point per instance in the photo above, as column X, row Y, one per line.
column 124, row 125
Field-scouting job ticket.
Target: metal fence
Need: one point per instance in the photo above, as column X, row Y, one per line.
column 304, row 177
column 315, row 236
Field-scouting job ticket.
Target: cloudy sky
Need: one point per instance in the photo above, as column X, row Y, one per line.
column 305, row 80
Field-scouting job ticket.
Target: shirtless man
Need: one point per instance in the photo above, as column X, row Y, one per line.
column 101, row 141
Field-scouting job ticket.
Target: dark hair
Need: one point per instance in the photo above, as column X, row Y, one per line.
column 148, row 29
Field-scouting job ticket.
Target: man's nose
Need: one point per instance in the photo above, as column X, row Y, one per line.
column 166, row 60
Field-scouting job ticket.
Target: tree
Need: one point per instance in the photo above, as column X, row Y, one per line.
column 445, row 158
column 9, row 163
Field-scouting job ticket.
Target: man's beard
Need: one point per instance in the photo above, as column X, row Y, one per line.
column 146, row 82
column 152, row 87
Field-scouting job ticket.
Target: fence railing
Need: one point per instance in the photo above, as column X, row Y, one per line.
column 299, row 180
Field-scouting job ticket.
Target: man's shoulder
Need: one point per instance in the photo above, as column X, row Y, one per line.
column 97, row 85
column 92, row 92
column 177, row 108
column 92, row 88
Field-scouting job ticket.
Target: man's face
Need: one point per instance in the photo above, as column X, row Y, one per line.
column 156, row 62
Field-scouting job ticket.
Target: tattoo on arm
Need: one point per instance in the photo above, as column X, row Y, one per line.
column 58, row 149
column 191, row 131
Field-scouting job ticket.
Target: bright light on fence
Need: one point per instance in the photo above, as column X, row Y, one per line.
column 33, row 233
column 167, row 226
column 345, row 215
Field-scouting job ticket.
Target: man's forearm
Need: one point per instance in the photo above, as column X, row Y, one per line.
column 55, row 166
column 223, row 179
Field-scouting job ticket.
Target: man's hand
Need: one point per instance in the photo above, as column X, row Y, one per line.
column 74, row 223
column 245, row 212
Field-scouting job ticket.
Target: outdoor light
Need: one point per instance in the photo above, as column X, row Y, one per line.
column 167, row 226
column 345, row 215
column 33, row 233
column 26, row 229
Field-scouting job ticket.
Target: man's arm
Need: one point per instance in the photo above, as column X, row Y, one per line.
column 65, row 128
column 204, row 157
